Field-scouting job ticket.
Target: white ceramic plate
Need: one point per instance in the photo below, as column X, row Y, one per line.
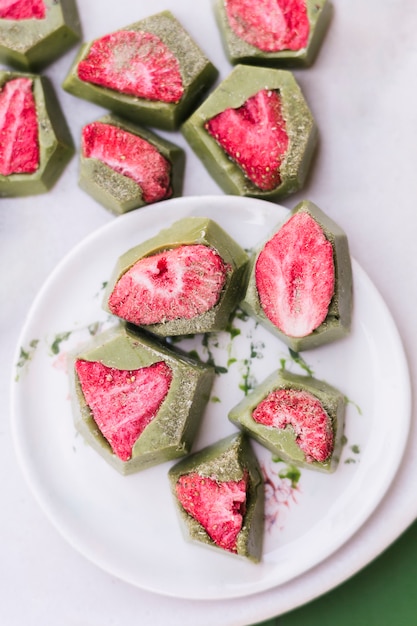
column 128, row 525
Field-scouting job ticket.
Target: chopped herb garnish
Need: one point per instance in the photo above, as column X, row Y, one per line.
column 59, row 338
column 292, row 473
column 26, row 355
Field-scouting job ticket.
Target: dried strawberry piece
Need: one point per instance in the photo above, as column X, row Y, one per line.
column 254, row 136
column 270, row 25
column 305, row 413
column 136, row 63
column 19, row 146
column 295, row 276
column 123, row 402
column 130, row 155
column 22, row 9
column 179, row 283
column 218, row 506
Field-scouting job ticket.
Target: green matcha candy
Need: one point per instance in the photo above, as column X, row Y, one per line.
column 180, row 72
column 120, row 192
column 224, row 463
column 130, row 355
column 31, row 44
column 254, row 43
column 255, row 133
column 310, row 414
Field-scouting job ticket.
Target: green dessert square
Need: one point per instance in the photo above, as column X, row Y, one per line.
column 219, row 493
column 31, row 44
column 145, row 396
column 300, row 280
column 255, row 133
column 186, row 279
column 109, row 72
column 298, row 418
column 290, row 36
column 124, row 166
column 39, row 123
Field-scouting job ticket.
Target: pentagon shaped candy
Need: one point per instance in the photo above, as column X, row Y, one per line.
column 275, row 33
column 299, row 418
column 219, row 493
column 30, row 116
column 151, row 72
column 300, row 280
column 125, row 167
column 137, row 401
column 255, row 133
column 33, row 33
column 187, row 279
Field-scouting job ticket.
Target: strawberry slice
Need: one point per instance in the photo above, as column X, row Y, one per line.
column 295, row 276
column 22, row 9
column 131, row 156
column 270, row 25
column 123, row 402
column 19, row 147
column 135, row 63
column 254, row 136
column 305, row 413
column 218, row 506
column 179, row 283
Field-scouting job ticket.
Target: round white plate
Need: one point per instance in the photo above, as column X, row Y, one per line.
column 128, row 525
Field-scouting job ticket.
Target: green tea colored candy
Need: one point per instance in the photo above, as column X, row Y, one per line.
column 227, row 460
column 117, row 192
column 31, row 44
column 243, row 83
column 188, row 231
column 238, row 50
column 55, row 142
column 171, row 433
column 285, row 442
column 197, row 74
column 337, row 322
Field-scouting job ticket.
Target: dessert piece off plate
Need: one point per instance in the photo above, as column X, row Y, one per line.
column 128, row 525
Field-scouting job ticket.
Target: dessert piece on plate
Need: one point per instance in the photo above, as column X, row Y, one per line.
column 151, row 72
column 299, row 418
column 124, row 166
column 33, row 33
column 137, row 401
column 275, row 33
column 36, row 143
column 219, row 493
column 255, row 133
column 186, row 279
column 300, row 280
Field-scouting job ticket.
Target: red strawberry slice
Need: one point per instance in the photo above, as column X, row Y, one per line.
column 305, row 413
column 131, row 156
column 123, row 402
column 295, row 276
column 19, row 145
column 254, row 136
column 218, row 506
column 270, row 25
column 22, row 9
column 179, row 283
column 135, row 63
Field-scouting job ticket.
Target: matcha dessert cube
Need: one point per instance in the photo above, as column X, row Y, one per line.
column 138, row 401
column 33, row 33
column 287, row 33
column 110, row 72
column 300, row 280
column 30, row 115
column 219, row 493
column 299, row 418
column 124, row 166
column 255, row 133
column 186, row 279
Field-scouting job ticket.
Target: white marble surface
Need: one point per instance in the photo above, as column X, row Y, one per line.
column 362, row 91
